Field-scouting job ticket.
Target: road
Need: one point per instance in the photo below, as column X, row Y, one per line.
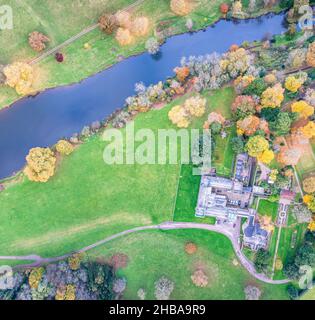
column 233, row 237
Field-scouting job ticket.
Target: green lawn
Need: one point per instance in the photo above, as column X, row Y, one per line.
column 148, row 262
column 267, row 208
column 60, row 21
column 187, row 197
column 87, row 200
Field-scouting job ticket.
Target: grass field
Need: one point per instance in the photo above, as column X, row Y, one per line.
column 60, row 21
column 148, row 262
column 267, row 208
column 87, row 200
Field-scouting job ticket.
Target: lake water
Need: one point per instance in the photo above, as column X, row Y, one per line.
column 42, row 120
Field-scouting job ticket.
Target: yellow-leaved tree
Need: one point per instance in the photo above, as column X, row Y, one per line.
column 20, row 75
column 266, row 156
column 178, row 115
column 309, row 130
column 64, row 147
column 303, row 108
column 41, row 163
column 256, row 145
column 292, row 84
column 272, row 97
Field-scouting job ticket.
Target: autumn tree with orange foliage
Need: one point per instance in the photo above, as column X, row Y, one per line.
column 124, row 37
column 182, row 73
column 123, row 19
column 37, row 41
column 248, row 125
column 41, row 163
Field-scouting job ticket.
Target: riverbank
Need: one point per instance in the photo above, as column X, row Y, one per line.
column 81, row 63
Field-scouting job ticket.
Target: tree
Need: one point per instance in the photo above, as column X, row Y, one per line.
column 289, row 156
column 107, row 23
column 262, row 260
column 297, row 58
column 178, row 115
column 252, row 6
column 282, row 182
column 243, row 106
column 309, row 130
column 163, row 288
column 266, row 156
column 195, row 106
column 272, row 97
column 124, row 37
column 248, row 125
column 119, row 285
column 20, row 76
column 152, row 46
column 215, row 128
column 180, row 7
column 309, row 184
column 182, row 73
column 293, row 292
column 256, row 145
column 252, row 293
column 59, row 57
column 291, row 271
column 41, row 163
column 310, row 97
column 123, row 19
column 310, row 57
column 255, row 88
column 282, row 124
column 37, row 41
column 64, row 147
column 237, row 8
column 189, row 24
column 141, row 294
column 270, row 114
column 199, row 278
column 140, row 26
column 238, row 144
column 224, row 9
column 292, row 84
column 303, row 108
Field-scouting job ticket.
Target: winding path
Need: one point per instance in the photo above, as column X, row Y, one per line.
column 38, row 260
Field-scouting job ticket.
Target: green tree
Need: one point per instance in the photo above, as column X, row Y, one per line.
column 215, row 128
column 257, row 87
column 262, row 260
column 238, row 144
column 282, row 124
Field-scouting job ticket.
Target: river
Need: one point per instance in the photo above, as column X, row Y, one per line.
column 42, row 120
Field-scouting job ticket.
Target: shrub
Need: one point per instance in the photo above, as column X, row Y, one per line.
column 190, row 248
column 59, row 57
column 163, row 288
column 252, row 293
column 119, row 285
column 118, row 261
column 37, row 41
column 64, row 147
column 107, row 23
column 141, row 294
column 41, row 164
column 199, row 279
